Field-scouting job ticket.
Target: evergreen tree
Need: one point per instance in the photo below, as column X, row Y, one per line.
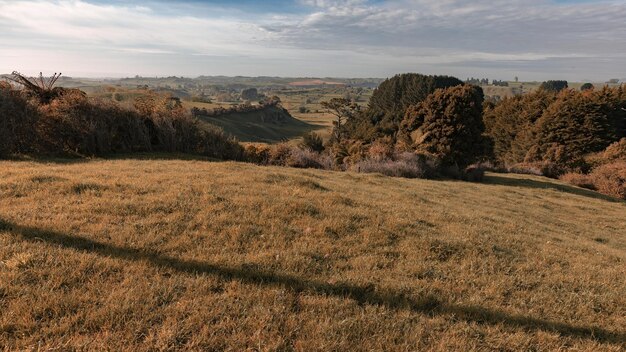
column 390, row 101
column 554, row 86
column 586, row 87
column 449, row 124
column 511, row 124
column 578, row 123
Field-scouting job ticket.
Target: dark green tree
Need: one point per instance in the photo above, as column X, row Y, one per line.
column 577, row 123
column 586, row 87
column 390, row 101
column 511, row 124
column 449, row 125
column 554, row 86
column 249, row 94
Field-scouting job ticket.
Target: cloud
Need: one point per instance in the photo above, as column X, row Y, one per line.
column 331, row 37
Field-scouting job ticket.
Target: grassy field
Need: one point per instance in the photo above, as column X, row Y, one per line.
column 142, row 255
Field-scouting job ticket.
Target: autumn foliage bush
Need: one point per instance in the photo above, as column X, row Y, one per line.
column 608, row 173
column 610, row 179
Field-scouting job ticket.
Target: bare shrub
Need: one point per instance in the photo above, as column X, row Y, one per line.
column 306, row 159
column 408, row 165
column 389, row 168
column 326, row 161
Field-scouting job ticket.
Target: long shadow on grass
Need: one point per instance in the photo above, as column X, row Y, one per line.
column 363, row 295
column 537, row 184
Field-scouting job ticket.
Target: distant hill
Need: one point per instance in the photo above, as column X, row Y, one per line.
column 315, row 82
column 270, row 125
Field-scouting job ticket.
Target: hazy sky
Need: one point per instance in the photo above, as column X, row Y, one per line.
column 532, row 39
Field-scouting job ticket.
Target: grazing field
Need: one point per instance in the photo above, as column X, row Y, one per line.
column 142, row 255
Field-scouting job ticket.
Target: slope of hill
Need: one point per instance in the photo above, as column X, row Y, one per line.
column 269, row 125
column 194, row 255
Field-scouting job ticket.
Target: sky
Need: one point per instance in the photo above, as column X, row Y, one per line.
column 576, row 40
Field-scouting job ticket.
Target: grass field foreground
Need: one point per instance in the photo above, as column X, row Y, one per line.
column 194, row 255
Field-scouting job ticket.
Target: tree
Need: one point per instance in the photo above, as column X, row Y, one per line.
column 249, row 94
column 576, row 123
column 449, row 125
column 586, row 87
column 511, row 124
column 343, row 110
column 396, row 94
column 553, row 86
column 390, row 101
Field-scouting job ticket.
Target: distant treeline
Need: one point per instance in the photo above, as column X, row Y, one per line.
column 485, row 82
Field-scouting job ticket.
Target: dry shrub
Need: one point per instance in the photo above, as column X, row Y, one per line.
column 408, row 165
column 540, row 168
column 213, row 142
column 381, row 149
column 525, row 169
column 356, row 152
column 71, row 124
column 389, row 168
column 257, row 153
column 17, row 121
column 279, row 153
column 616, row 151
column 312, row 141
column 578, row 179
column 284, row 154
column 308, row 159
column 610, row 179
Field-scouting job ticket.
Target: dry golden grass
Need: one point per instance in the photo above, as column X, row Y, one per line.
column 192, row 255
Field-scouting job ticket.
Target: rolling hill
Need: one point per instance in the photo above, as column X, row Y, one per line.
column 269, row 125
column 195, row 255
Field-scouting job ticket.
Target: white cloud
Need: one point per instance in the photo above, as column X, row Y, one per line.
column 347, row 38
